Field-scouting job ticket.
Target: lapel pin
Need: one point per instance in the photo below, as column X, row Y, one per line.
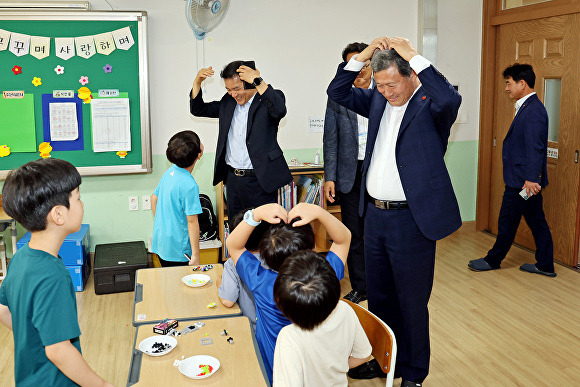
column 424, row 98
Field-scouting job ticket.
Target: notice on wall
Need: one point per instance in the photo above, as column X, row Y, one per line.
column 315, row 124
column 63, row 121
column 111, row 123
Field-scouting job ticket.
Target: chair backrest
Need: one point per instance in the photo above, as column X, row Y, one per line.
column 381, row 337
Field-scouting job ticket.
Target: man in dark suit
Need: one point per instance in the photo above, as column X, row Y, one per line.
column 248, row 158
column 524, row 168
column 345, row 139
column 406, row 192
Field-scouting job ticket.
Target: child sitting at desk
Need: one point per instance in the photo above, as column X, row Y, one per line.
column 326, row 337
column 231, row 288
column 175, row 204
column 37, row 297
column 292, row 233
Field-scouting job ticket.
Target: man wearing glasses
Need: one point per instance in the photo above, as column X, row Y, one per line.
column 248, row 158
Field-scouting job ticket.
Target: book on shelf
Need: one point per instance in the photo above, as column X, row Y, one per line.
column 308, row 189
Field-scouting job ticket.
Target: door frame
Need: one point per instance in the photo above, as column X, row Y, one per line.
column 493, row 17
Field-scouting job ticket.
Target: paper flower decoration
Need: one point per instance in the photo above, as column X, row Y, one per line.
column 84, row 80
column 59, row 70
column 44, row 150
column 85, row 94
column 108, row 68
column 17, row 70
column 4, row 150
column 122, row 154
column 36, row 81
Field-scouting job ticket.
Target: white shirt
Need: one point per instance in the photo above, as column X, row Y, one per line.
column 320, row 357
column 383, row 180
column 521, row 101
column 363, row 129
column 237, row 155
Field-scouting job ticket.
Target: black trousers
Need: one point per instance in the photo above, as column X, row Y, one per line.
column 400, row 263
column 244, row 192
column 349, row 213
column 513, row 206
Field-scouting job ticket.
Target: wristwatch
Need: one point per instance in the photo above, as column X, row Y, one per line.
column 257, row 81
column 249, row 218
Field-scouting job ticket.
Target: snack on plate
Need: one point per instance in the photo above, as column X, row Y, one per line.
column 205, row 369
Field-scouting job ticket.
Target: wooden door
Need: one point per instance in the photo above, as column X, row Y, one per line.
column 551, row 46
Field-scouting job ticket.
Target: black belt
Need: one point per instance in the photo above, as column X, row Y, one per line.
column 242, row 172
column 388, row 204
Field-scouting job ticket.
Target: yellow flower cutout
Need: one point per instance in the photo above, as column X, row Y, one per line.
column 84, row 93
column 122, row 154
column 36, row 81
column 4, row 150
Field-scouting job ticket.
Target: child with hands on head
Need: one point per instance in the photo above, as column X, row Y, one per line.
column 291, row 233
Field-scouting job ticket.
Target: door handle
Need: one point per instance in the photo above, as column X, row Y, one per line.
column 576, row 157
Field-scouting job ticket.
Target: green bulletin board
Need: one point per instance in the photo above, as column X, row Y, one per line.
column 21, row 120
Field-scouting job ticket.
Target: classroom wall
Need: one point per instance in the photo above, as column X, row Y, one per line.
column 296, row 46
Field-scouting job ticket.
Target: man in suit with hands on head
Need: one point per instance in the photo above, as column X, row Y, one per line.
column 248, row 158
column 406, row 193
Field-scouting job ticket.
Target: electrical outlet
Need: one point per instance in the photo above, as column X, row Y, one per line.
column 146, row 202
column 133, row 203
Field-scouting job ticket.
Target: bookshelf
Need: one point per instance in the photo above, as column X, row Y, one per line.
column 320, row 235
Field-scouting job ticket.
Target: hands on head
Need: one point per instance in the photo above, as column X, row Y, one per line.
column 401, row 45
column 274, row 213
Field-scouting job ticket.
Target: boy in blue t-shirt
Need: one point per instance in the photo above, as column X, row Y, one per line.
column 37, row 297
column 287, row 236
column 231, row 288
column 175, row 204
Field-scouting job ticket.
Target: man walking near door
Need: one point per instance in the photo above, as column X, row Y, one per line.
column 524, row 168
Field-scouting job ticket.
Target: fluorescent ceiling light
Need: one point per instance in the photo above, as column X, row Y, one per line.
column 76, row 5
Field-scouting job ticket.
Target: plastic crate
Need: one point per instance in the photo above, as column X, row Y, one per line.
column 115, row 266
column 75, row 248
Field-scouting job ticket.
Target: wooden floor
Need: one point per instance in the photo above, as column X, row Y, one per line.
column 499, row 328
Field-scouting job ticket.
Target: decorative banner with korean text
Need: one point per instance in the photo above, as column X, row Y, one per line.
column 66, row 48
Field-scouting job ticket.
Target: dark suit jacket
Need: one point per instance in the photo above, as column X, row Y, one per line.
column 264, row 116
column 420, row 146
column 340, row 143
column 525, row 145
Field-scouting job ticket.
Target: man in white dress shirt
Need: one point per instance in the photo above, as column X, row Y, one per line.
column 406, row 192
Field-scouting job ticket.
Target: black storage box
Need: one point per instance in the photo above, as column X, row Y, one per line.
column 115, row 266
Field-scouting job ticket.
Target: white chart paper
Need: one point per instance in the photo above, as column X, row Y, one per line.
column 111, row 124
column 63, row 121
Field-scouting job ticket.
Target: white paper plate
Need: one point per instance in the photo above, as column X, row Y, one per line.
column 190, row 367
column 147, row 345
column 195, row 280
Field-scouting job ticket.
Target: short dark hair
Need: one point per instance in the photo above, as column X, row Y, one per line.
column 31, row 191
column 253, row 243
column 519, row 71
column 355, row 47
column 229, row 70
column 183, row 148
column 282, row 240
column 307, row 289
column 384, row 59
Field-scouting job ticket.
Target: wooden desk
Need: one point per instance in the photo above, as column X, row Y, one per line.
column 240, row 363
column 160, row 294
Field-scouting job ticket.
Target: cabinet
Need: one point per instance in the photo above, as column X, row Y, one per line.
column 320, row 235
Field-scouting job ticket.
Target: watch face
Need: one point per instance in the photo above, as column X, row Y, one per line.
column 257, row 81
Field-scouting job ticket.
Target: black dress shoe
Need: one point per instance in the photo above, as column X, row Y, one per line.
column 408, row 383
column 356, row 296
column 369, row 370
